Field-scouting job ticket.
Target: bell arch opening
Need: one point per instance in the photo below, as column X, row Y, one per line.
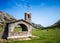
column 29, row 16
column 20, row 28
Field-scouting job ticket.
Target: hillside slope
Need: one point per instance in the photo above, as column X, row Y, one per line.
column 57, row 24
column 5, row 17
column 37, row 26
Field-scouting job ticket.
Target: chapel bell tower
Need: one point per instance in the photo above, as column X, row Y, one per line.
column 28, row 17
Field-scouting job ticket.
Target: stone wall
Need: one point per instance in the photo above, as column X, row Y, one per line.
column 19, row 35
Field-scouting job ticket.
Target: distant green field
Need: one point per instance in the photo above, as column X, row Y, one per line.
column 17, row 29
column 1, row 28
column 50, row 36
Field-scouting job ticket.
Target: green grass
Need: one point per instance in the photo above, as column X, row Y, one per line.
column 50, row 36
column 1, row 28
column 17, row 29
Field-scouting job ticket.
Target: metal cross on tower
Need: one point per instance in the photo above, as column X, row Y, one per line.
column 28, row 7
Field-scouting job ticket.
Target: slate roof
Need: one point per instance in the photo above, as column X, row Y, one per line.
column 18, row 21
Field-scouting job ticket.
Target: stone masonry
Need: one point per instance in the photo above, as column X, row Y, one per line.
column 9, row 33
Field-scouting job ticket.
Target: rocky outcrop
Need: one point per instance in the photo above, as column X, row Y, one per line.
column 6, row 17
column 37, row 26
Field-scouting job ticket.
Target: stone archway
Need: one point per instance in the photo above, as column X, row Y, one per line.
column 24, row 27
column 20, row 28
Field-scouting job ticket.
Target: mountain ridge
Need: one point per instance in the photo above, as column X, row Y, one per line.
column 6, row 17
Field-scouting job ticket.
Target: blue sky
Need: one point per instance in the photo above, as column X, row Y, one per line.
column 44, row 12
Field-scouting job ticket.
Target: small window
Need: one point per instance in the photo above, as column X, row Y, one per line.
column 28, row 16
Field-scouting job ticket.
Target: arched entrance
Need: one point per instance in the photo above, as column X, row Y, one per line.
column 20, row 28
column 24, row 27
